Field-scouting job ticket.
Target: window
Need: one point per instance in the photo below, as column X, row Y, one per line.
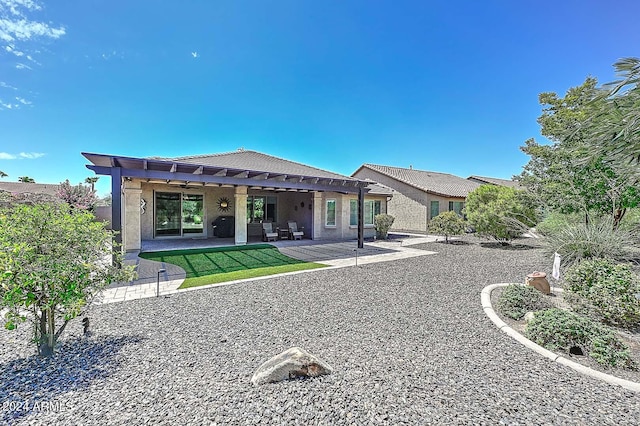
column 261, row 209
column 330, row 219
column 435, row 209
column 456, row 206
column 178, row 214
column 371, row 209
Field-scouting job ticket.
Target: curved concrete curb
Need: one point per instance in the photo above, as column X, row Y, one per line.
column 485, row 297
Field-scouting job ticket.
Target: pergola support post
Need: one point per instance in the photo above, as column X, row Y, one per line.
column 361, row 218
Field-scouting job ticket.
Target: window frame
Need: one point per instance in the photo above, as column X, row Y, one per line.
column 326, row 213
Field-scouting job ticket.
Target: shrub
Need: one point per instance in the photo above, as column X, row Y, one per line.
column 560, row 330
column 447, row 224
column 605, row 290
column 500, row 212
column 516, row 300
column 555, row 222
column 591, row 241
column 382, row 223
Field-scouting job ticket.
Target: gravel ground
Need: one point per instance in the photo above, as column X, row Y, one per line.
column 408, row 340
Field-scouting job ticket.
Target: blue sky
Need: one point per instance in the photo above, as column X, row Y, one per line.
column 449, row 86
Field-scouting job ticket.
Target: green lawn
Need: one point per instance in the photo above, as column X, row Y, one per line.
column 215, row 265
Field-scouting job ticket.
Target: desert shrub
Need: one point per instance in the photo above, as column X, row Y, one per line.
column 555, row 222
column 500, row 212
column 447, row 224
column 560, row 330
column 382, row 223
column 592, row 241
column 606, row 290
column 516, row 300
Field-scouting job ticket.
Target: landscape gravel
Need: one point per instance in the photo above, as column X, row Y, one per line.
column 408, row 340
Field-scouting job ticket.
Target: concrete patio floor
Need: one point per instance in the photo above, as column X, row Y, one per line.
column 334, row 254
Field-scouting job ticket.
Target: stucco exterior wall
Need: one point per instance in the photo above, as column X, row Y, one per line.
column 409, row 205
column 295, row 206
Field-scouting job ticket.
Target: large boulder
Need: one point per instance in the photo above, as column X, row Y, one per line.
column 290, row 364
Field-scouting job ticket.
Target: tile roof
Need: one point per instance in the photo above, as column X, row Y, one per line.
column 252, row 160
column 443, row 184
column 495, row 181
column 30, row 188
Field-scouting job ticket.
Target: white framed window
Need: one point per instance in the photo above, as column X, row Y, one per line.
column 330, row 213
column 371, row 209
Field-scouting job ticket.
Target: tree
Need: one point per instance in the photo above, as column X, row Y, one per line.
column 447, row 224
column 78, row 196
column 617, row 122
column 500, row 212
column 566, row 176
column 3, row 174
column 92, row 181
column 26, row 179
column 53, row 264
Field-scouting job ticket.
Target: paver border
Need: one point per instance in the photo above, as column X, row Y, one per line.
column 485, row 298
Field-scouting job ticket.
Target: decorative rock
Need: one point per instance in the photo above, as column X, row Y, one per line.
column 538, row 280
column 290, row 364
column 528, row 316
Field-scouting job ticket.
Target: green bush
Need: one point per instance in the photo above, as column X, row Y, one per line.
column 555, row 222
column 447, row 224
column 382, row 223
column 595, row 240
column 560, row 330
column 606, row 290
column 516, row 300
column 500, row 212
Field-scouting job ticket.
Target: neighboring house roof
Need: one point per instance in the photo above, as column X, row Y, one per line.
column 442, row 184
column 494, row 181
column 30, row 188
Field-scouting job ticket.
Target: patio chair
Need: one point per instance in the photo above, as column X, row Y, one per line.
column 293, row 231
column 267, row 232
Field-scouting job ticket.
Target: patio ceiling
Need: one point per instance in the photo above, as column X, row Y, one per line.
column 194, row 175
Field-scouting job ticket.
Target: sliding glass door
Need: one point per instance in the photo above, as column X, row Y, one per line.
column 178, row 214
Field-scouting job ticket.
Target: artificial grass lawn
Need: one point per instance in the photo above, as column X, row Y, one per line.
column 220, row 264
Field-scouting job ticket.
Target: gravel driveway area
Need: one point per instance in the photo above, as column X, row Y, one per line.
column 408, row 341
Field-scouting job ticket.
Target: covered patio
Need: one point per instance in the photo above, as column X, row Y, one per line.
column 225, row 198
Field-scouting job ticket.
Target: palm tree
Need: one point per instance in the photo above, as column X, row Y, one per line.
column 26, row 179
column 3, row 174
column 92, row 181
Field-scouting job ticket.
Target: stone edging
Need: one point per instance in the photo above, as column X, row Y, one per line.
column 485, row 297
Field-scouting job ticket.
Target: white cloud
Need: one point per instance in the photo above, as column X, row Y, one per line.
column 12, row 49
column 23, row 101
column 21, row 156
column 7, row 86
column 22, row 29
column 22, row 66
column 8, row 105
column 13, row 6
column 31, row 155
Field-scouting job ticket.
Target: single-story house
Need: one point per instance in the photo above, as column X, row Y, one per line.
column 483, row 180
column 231, row 195
column 418, row 195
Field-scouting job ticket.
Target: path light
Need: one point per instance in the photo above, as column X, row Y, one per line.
column 160, row 271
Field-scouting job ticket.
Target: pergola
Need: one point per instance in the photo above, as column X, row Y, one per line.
column 168, row 171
